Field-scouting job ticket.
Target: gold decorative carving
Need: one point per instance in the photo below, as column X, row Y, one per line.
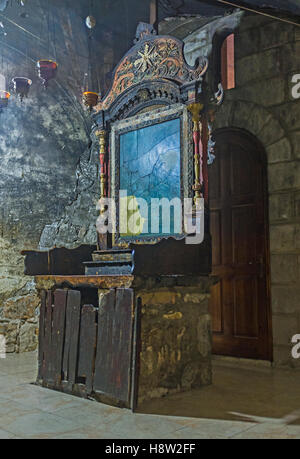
column 101, row 135
column 195, row 110
column 156, row 58
column 146, row 58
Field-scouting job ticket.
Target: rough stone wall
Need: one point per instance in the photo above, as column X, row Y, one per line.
column 48, row 168
column 267, row 56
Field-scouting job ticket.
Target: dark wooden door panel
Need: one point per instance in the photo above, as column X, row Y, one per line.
column 245, row 307
column 239, row 302
column 114, row 346
column 217, row 310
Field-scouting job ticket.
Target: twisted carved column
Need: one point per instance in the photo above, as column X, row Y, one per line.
column 195, row 109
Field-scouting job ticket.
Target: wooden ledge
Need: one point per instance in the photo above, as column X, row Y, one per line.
column 102, row 282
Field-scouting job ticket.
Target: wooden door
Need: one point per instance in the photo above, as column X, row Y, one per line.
column 240, row 301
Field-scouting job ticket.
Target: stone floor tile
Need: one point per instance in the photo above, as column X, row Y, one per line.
column 219, row 428
column 137, row 426
column 6, row 435
column 29, row 411
column 39, row 424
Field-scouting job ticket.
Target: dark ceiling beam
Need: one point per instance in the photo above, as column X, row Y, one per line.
column 246, row 6
column 284, row 10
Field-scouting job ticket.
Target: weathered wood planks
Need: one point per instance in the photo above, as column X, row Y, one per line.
column 114, row 347
column 87, row 346
column 88, row 350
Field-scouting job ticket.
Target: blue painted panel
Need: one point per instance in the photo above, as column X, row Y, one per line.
column 150, row 165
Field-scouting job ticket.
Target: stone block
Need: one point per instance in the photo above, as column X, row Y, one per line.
column 282, row 357
column 285, row 300
column 279, row 151
column 266, row 92
column 21, row 307
column 295, row 140
column 176, row 349
column 297, row 204
column 10, row 285
column 246, row 42
column 250, row 21
column 289, row 55
column 285, row 268
column 28, row 337
column 10, row 330
column 285, row 238
column 160, row 297
column 204, row 335
column 224, row 114
column 281, row 206
column 275, row 34
column 284, row 328
column 284, row 176
column 258, row 118
column 257, row 66
column 194, row 298
column 288, row 115
column 271, row 132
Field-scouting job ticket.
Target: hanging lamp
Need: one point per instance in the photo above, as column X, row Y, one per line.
column 46, row 70
column 4, row 97
column 90, row 99
column 21, row 86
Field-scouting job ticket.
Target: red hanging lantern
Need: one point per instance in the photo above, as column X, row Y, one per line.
column 4, row 97
column 21, row 86
column 46, row 70
column 90, row 99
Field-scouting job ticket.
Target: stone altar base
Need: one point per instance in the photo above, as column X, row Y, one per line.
column 124, row 339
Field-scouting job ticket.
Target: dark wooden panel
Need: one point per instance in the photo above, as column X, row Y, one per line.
column 71, row 336
column 114, row 346
column 87, row 346
column 215, row 227
column 215, row 180
column 70, row 262
column 245, row 307
column 36, row 262
column 136, row 351
column 244, row 235
column 217, row 310
column 48, row 362
column 42, row 335
column 244, row 179
column 58, row 333
column 173, row 257
column 57, row 261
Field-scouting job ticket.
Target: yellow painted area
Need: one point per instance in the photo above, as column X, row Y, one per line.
column 161, row 297
column 131, row 221
column 173, row 316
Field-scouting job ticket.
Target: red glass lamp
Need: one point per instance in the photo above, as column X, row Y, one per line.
column 46, row 70
column 4, row 97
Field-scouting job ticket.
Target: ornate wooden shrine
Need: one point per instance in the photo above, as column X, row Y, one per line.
column 128, row 320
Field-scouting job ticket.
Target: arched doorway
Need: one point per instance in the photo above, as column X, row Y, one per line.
column 240, row 305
